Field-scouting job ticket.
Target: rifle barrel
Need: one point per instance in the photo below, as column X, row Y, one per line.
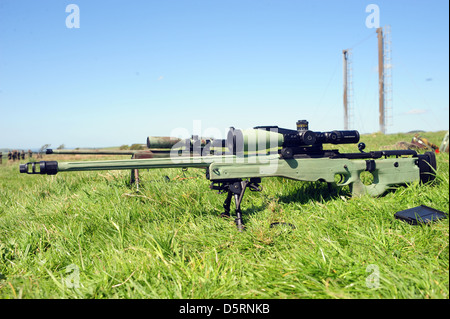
column 53, row 167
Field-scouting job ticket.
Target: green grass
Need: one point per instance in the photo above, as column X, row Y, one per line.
column 89, row 235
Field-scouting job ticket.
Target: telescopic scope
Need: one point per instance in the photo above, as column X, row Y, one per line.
column 291, row 142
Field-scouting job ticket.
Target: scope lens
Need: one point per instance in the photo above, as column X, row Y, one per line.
column 341, row 137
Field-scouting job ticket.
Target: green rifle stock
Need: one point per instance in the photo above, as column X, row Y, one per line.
column 297, row 158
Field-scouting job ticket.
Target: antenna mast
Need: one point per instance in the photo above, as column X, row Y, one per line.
column 348, row 88
column 385, row 78
column 388, row 107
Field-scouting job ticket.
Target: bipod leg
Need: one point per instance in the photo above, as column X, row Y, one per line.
column 236, row 188
column 134, row 178
column 239, row 190
column 226, row 205
column 238, row 219
column 222, row 187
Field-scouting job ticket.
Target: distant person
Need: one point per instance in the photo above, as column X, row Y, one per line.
column 30, row 154
column 23, row 154
column 9, row 155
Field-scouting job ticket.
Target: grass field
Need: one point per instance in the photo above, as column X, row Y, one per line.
column 89, row 235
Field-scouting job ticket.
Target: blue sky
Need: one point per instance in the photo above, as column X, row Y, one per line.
column 139, row 68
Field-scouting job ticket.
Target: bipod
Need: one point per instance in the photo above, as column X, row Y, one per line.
column 134, row 177
column 236, row 188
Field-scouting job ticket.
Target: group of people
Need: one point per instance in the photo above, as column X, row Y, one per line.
column 17, row 155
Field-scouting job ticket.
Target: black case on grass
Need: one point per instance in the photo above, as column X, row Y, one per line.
column 420, row 214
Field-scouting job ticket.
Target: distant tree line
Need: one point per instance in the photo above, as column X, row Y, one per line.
column 135, row 147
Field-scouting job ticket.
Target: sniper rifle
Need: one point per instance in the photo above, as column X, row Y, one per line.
column 270, row 151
